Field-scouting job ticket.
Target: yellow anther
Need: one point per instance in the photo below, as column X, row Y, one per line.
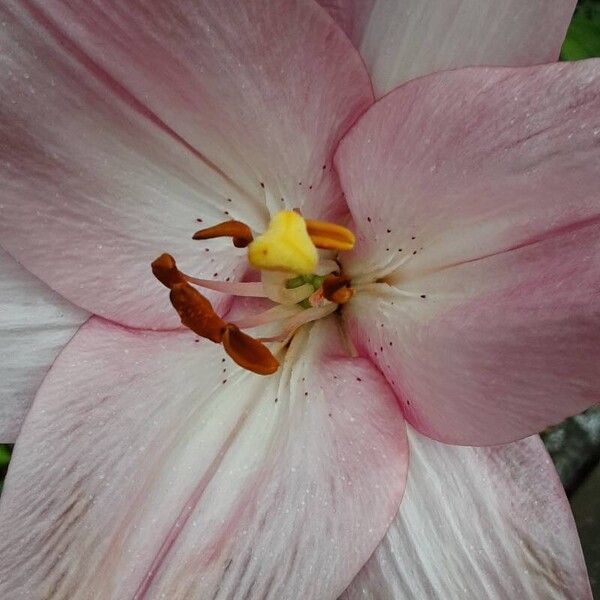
column 330, row 236
column 285, row 246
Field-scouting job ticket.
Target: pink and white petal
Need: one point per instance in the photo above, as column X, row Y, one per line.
column 263, row 90
column 483, row 221
column 124, row 123
column 403, row 39
column 92, row 189
column 35, row 324
column 150, row 467
column 351, row 15
column 495, row 349
column 462, row 164
column 478, row 523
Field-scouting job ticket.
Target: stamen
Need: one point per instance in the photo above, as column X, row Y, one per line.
column 165, row 270
column 329, row 236
column 248, row 352
column 336, row 288
column 289, row 246
column 196, row 312
column 240, row 232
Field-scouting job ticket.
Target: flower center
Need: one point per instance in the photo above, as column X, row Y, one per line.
column 298, row 274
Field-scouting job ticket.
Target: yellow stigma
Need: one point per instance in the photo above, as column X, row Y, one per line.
column 285, row 246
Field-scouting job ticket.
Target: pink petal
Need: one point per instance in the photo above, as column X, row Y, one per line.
column 35, row 324
column 140, row 473
column 498, row 348
column 93, row 190
column 478, row 523
column 401, row 40
column 490, row 332
column 472, row 162
column 263, row 90
column 125, row 122
column 351, row 15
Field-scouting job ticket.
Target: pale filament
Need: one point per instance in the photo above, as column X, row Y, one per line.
column 326, row 266
column 276, row 313
column 287, row 308
column 295, row 295
column 306, row 316
column 274, row 287
column 252, row 289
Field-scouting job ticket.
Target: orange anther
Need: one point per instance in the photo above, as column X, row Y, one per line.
column 196, row 312
column 240, row 232
column 329, row 236
column 336, row 288
column 248, row 352
column 165, row 270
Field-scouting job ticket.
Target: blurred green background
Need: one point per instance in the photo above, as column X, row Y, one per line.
column 575, row 444
column 583, row 37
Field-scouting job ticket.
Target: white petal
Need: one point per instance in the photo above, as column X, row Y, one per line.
column 404, row 39
column 478, row 523
column 35, row 324
column 148, row 466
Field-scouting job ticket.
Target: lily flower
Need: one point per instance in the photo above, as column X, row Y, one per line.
column 367, row 276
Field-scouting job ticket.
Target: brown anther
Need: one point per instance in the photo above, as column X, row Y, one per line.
column 329, row 236
column 336, row 288
column 196, row 312
column 240, row 232
column 165, row 270
column 248, row 352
